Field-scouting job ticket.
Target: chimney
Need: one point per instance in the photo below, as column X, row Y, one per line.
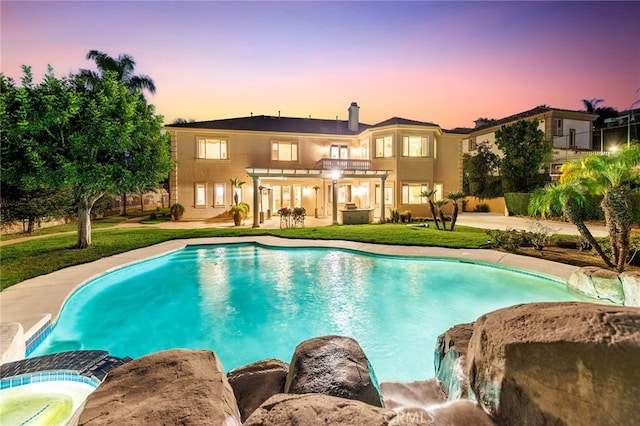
column 354, row 112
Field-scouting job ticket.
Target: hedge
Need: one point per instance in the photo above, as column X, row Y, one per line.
column 517, row 203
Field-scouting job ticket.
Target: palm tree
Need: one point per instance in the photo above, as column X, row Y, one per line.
column 428, row 194
column 612, row 177
column 569, row 198
column 590, row 105
column 123, row 66
column 455, row 197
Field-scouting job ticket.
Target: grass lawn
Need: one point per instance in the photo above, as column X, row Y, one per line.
column 30, row 258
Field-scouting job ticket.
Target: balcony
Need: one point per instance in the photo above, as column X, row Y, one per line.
column 343, row 164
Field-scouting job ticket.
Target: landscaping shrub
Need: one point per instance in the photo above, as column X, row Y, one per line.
column 517, row 203
column 510, row 240
column 481, row 208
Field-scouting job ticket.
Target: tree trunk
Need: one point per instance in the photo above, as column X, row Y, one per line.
column 611, row 226
column 444, row 224
column 123, row 208
column 576, row 219
column 31, row 223
column 84, row 221
column 433, row 213
column 454, row 216
column 620, row 204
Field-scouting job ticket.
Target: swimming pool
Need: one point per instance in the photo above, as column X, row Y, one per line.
column 249, row 302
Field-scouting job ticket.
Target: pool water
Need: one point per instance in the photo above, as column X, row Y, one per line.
column 250, row 302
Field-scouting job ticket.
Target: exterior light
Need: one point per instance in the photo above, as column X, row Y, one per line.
column 335, row 175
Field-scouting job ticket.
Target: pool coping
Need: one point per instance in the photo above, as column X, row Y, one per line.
column 36, row 302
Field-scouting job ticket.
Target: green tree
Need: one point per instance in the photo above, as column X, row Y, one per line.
column 123, row 66
column 428, row 194
column 525, row 151
column 477, row 170
column 97, row 141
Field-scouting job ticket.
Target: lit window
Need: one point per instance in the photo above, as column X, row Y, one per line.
column 214, row 149
column 284, row 151
column 411, row 193
column 439, row 192
column 364, row 146
column 415, row 146
column 344, row 194
column 384, row 147
column 200, row 195
column 339, row 151
column 218, row 194
column 388, row 194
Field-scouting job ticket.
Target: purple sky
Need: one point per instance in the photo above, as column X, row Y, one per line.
column 443, row 62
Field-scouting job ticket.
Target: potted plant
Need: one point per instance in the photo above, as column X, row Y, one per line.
column 177, row 210
column 238, row 212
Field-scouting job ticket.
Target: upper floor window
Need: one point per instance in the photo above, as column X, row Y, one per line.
column 284, row 151
column 215, row 149
column 472, row 144
column 339, row 151
column 415, row 146
column 384, row 147
column 364, row 149
column 557, row 127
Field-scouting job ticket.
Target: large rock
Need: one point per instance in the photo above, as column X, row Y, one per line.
column 333, row 365
column 172, row 387
column 253, row 384
column 597, row 283
column 450, row 360
column 631, row 287
column 558, row 363
column 455, row 413
column 318, row 409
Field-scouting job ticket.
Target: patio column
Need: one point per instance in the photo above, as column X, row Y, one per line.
column 382, row 179
column 334, row 191
column 256, row 217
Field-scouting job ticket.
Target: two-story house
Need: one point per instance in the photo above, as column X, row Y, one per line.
column 570, row 133
column 321, row 165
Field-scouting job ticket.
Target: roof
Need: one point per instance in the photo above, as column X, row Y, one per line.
column 277, row 124
column 403, row 121
column 526, row 114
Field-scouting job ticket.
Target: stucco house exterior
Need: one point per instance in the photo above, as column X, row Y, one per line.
column 321, row 165
column 570, row 133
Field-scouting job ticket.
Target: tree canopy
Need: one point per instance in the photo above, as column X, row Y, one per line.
column 525, row 151
column 99, row 141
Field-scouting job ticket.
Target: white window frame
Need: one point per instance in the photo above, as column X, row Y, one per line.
column 345, row 193
column 213, row 148
column 383, row 146
column 388, row 194
column 339, row 151
column 284, row 151
column 407, row 197
column 219, row 199
column 200, row 194
column 408, row 147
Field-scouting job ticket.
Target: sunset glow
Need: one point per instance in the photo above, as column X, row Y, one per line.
column 442, row 62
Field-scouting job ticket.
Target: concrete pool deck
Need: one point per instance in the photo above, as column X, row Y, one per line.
column 35, row 301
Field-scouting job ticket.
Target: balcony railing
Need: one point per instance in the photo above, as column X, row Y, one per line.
column 343, row 164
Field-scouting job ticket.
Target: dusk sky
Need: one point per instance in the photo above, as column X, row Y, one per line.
column 443, row 62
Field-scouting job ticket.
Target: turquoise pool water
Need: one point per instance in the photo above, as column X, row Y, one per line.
column 250, row 302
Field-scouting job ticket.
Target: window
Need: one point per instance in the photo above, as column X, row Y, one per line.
column 439, row 192
column 201, row 190
column 472, row 144
column 384, row 147
column 572, row 137
column 218, row 194
column 284, row 151
column 557, row 127
column 388, row 194
column 214, row 149
column 415, row 146
column 364, row 147
column 411, row 193
column 339, row 151
column 344, row 194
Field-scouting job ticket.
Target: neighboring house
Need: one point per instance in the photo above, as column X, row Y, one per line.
column 569, row 131
column 321, row 165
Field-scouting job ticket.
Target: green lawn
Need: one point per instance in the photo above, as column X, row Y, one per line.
column 30, row 258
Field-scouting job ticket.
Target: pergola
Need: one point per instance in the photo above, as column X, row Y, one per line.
column 334, row 174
